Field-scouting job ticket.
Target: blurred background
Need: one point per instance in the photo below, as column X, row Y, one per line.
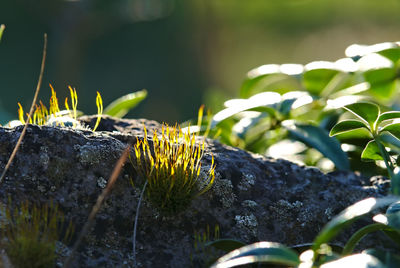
column 184, row 52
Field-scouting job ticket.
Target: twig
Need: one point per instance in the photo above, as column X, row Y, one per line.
column 14, row 152
column 99, row 202
column 135, row 226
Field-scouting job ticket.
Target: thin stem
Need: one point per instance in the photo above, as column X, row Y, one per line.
column 135, row 225
column 39, row 84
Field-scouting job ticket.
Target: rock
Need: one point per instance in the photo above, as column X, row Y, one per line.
column 254, row 198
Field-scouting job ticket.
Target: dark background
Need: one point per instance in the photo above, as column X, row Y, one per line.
column 184, row 52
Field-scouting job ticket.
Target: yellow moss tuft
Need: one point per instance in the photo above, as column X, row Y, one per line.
column 172, row 166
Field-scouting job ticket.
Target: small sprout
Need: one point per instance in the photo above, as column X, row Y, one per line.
column 30, row 234
column 21, row 113
column 55, row 117
column 172, row 167
column 99, row 104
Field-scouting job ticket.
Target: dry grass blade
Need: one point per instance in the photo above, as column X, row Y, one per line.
column 39, row 84
column 113, row 178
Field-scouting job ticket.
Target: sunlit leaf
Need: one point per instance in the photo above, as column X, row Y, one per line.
column 122, row 105
column 346, row 126
column 357, row 260
column 393, row 129
column 2, row 27
column 347, row 216
column 315, row 80
column 257, row 101
column 319, row 139
column 392, row 54
column 366, row 111
column 371, row 152
column 261, row 252
column 388, row 116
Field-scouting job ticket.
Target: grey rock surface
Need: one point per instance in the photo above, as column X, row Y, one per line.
column 254, row 198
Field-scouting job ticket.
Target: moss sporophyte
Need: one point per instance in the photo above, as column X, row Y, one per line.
column 172, row 167
column 54, row 116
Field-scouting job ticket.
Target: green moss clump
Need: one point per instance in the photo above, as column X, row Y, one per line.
column 30, row 234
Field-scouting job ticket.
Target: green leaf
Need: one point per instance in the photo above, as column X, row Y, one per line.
column 347, row 216
column 366, row 111
column 272, row 77
column 225, row 244
column 392, row 54
column 393, row 129
column 371, row 152
column 316, row 80
column 388, row 116
column 357, row 236
column 261, row 252
column 346, row 126
column 385, row 92
column 379, row 76
column 393, row 215
column 122, row 105
column 361, row 260
column 319, row 139
column 258, row 101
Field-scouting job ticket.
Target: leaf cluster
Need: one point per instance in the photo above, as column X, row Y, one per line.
column 298, row 104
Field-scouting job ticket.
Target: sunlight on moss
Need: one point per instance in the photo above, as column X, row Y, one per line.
column 172, row 164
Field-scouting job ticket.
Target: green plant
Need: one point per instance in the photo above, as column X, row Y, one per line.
column 381, row 127
column 29, row 234
column 121, row 106
column 171, row 165
column 298, row 104
column 321, row 254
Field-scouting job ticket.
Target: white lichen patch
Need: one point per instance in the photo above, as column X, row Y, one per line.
column 249, row 203
column 247, row 222
column 223, row 188
column 101, row 182
column 44, row 157
column 248, row 180
column 98, row 153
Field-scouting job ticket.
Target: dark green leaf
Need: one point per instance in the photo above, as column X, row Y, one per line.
column 225, row 244
column 261, row 252
column 388, row 116
column 347, row 216
column 388, row 258
column 122, row 105
column 346, row 126
column 319, row 139
column 385, row 92
column 371, row 152
column 393, row 129
column 357, row 260
column 393, row 215
column 366, row 111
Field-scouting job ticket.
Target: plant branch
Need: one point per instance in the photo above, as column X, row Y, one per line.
column 39, row 84
column 135, row 225
column 113, row 178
